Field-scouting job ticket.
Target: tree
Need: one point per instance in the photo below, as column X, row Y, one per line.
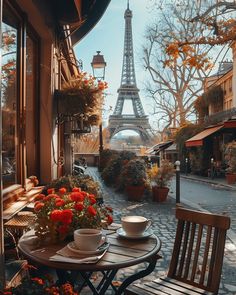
column 218, row 22
column 176, row 77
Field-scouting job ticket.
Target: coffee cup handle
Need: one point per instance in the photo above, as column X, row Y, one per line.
column 149, row 223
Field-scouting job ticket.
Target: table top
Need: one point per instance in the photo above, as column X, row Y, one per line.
column 121, row 253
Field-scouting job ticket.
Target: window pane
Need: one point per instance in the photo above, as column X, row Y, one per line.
column 9, row 99
column 31, row 95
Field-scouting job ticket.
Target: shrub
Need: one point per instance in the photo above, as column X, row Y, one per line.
column 230, row 156
column 134, row 174
column 111, row 173
column 106, row 156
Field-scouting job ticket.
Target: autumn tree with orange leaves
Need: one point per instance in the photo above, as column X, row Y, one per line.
column 218, row 21
column 176, row 73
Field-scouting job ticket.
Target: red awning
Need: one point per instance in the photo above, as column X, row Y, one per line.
column 197, row 140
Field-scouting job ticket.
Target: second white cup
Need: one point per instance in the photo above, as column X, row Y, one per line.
column 135, row 225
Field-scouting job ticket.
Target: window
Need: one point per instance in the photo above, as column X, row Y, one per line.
column 10, row 106
column 19, row 92
column 31, row 134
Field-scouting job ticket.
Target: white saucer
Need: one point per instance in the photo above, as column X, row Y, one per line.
column 144, row 235
column 72, row 246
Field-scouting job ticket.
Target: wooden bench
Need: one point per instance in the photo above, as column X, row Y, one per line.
column 197, row 257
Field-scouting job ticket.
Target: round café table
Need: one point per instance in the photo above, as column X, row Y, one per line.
column 122, row 253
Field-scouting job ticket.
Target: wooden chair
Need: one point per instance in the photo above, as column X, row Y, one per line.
column 197, row 257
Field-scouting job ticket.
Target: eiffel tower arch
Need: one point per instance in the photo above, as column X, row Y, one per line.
column 128, row 90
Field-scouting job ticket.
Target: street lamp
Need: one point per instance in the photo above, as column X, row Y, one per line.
column 98, row 65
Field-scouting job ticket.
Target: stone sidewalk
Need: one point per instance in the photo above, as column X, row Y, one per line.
column 164, row 225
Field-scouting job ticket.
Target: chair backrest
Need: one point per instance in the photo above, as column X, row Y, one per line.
column 198, row 252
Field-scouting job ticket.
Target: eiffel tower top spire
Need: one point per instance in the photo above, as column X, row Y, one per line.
column 128, row 71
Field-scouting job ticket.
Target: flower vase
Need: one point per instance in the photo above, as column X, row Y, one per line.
column 159, row 194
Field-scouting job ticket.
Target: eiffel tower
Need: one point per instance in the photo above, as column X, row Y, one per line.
column 129, row 91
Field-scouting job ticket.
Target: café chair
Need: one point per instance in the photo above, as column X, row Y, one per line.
column 197, row 257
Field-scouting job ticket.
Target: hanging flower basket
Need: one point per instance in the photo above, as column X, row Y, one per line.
column 82, row 95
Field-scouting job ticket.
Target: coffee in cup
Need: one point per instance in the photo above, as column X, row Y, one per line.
column 87, row 239
column 135, row 225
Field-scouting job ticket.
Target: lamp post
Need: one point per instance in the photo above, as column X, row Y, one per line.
column 186, row 166
column 212, row 168
column 177, row 171
column 98, row 65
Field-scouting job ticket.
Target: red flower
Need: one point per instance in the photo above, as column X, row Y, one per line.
column 79, row 206
column 59, row 203
column 66, row 216
column 38, row 280
column 49, row 197
column 38, row 206
column 56, row 215
column 76, row 189
column 84, row 194
column 92, row 201
column 77, row 197
column 50, row 191
column 39, row 197
column 62, row 190
column 109, row 209
column 109, row 219
column 92, row 211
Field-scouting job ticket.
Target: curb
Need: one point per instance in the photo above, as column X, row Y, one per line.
column 208, row 181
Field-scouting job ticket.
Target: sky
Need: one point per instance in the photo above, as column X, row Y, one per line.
column 108, row 37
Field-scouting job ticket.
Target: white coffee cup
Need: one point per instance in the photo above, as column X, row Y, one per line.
column 87, row 239
column 135, row 225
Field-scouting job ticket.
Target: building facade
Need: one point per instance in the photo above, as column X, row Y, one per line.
column 207, row 147
column 37, row 57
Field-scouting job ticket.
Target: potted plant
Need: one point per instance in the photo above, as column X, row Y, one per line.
column 134, row 178
column 230, row 158
column 60, row 212
column 160, row 178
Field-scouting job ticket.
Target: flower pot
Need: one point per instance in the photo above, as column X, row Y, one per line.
column 231, row 178
column 135, row 193
column 159, row 194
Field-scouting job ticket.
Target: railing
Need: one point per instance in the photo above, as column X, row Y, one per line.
column 220, row 116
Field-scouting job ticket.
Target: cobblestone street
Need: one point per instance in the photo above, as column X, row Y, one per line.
column 164, row 225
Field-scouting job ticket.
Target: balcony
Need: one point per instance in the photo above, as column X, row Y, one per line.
column 220, row 116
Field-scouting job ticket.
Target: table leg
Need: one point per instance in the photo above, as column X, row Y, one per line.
column 103, row 285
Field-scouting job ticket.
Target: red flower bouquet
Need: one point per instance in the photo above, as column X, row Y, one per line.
column 59, row 213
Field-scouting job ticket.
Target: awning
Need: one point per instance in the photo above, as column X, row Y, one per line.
column 159, row 147
column 197, row 140
column 80, row 15
column 171, row 149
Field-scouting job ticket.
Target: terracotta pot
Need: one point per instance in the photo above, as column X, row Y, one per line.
column 135, row 193
column 159, row 194
column 231, row 178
